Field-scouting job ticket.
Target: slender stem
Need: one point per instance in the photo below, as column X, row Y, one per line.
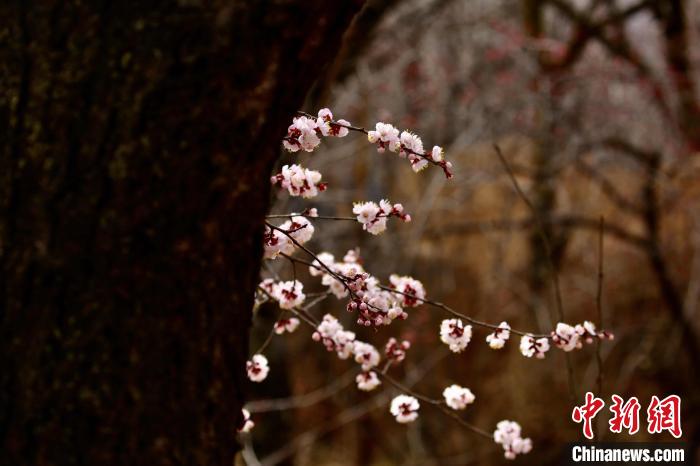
column 267, row 341
column 319, row 217
column 405, row 389
column 471, row 320
column 540, row 230
column 550, row 262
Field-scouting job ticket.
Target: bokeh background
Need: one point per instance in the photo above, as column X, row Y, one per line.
column 595, row 105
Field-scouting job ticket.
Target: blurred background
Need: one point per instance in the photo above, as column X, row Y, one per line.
column 595, row 105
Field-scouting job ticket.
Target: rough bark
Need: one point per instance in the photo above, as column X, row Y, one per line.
column 137, row 142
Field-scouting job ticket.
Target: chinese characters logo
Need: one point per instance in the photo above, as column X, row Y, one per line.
column 662, row 415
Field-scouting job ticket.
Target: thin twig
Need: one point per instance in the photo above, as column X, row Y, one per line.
column 439, row 404
column 550, row 262
column 319, row 217
column 540, row 231
column 267, row 341
column 563, row 221
column 409, row 391
column 305, row 400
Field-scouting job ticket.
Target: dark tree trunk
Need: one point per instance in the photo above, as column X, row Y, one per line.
column 137, row 142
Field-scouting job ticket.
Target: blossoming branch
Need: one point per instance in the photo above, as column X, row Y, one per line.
column 376, row 304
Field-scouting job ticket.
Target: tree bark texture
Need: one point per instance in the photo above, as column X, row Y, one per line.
column 137, row 143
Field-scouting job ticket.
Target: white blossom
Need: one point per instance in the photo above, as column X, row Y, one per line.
column 455, row 334
column 412, row 147
column 589, row 332
column 257, row 368
column 366, row 354
column 268, row 285
column 385, row 136
column 331, row 333
column 328, row 127
column 344, row 344
column 567, row 337
column 529, row 346
column 299, row 181
column 373, row 216
column 508, row 434
column 404, row 408
column 437, row 154
column 370, row 216
column 410, row 143
column 458, row 397
column 298, row 228
column 276, row 242
column 367, row 381
column 302, row 134
column 413, row 289
column 396, row 351
column 498, row 338
column 417, row 163
column 286, row 325
column 289, row 294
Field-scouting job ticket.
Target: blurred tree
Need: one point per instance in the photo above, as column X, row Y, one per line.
column 677, row 102
column 137, row 144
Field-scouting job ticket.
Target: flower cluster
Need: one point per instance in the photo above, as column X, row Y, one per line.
column 408, row 145
column 374, row 305
column 299, row 181
column 404, row 408
column 248, row 424
column 455, row 334
column 457, row 397
column 257, row 368
column 498, row 338
column 305, row 133
column 334, row 337
column 366, row 355
column 289, row 294
column 302, row 134
column 507, row 434
column 531, row 346
column 328, row 127
column 395, row 351
column 385, row 136
column 276, row 242
column 373, row 216
column 410, row 291
column 569, row 338
column 367, row 381
column 286, row 325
